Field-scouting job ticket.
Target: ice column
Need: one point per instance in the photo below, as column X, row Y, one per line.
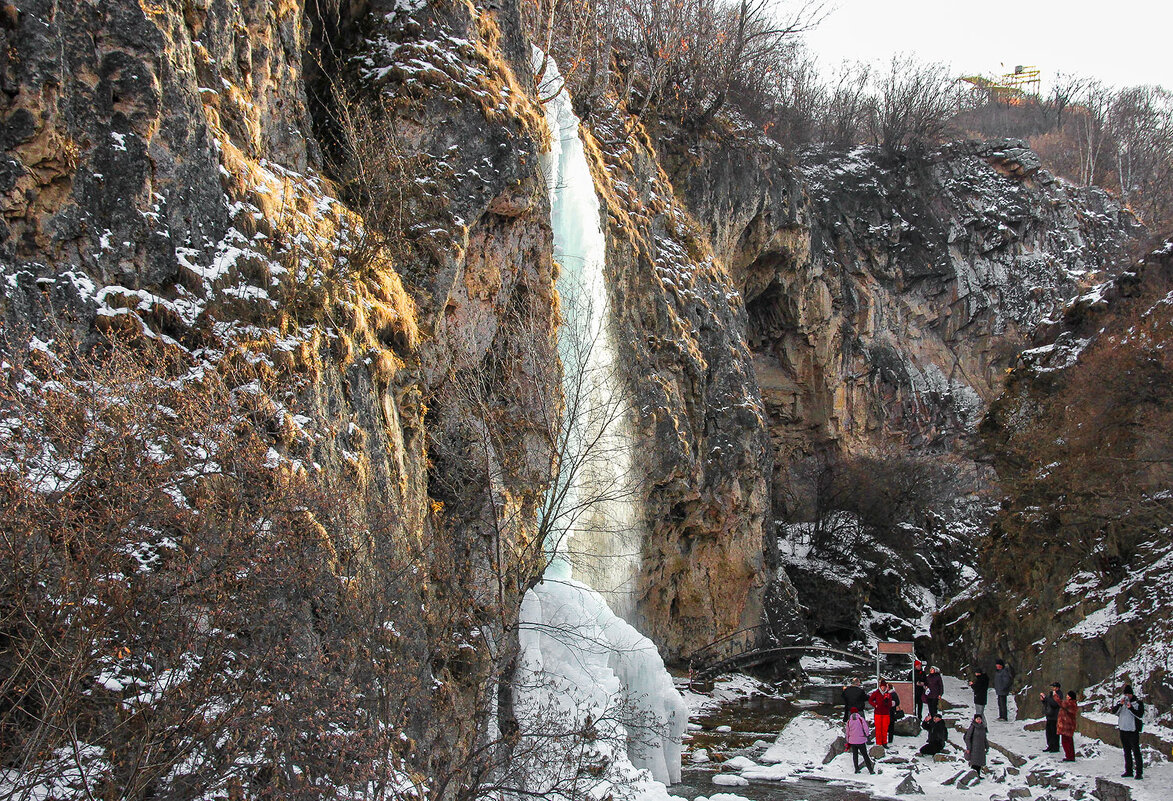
column 598, row 540
column 581, row 661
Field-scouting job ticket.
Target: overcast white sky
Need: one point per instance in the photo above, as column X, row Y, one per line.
column 1122, row 43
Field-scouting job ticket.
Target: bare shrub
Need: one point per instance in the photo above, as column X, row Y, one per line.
column 848, row 107
column 913, row 106
column 392, row 190
column 681, row 60
column 879, row 493
column 181, row 615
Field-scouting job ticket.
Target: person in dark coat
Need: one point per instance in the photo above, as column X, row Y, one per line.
column 853, row 696
column 977, row 743
column 1052, row 703
column 934, row 689
column 1003, row 679
column 897, row 713
column 1068, row 721
column 981, row 692
column 918, row 678
column 1130, row 720
column 938, row 735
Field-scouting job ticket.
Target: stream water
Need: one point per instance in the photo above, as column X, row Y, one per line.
column 753, row 720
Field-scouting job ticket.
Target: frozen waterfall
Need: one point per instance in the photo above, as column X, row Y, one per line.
column 581, row 664
column 597, row 530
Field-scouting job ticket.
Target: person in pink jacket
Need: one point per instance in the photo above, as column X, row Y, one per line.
column 857, row 739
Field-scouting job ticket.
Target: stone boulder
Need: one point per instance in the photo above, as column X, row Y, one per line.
column 969, row 778
column 907, row 726
column 1012, row 158
column 1108, row 790
column 837, row 748
column 909, row 786
column 952, row 780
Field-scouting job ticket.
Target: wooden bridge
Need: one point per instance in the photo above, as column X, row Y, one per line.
column 755, row 646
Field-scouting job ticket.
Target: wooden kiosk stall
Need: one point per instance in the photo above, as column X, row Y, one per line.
column 894, row 662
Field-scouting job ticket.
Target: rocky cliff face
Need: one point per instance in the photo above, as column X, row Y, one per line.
column 885, row 299
column 164, row 185
column 335, row 213
column 1073, row 582
column 708, row 552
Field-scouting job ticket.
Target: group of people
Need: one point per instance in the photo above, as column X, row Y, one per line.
column 1062, row 718
column 886, row 704
column 1060, row 711
column 930, row 689
column 980, row 684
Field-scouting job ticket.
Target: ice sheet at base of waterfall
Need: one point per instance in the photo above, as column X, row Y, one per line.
column 583, row 665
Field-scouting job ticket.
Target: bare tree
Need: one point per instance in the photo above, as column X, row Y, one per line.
column 689, row 58
column 879, row 493
column 1095, row 102
column 582, row 38
column 757, row 36
column 848, row 106
column 913, row 106
column 1141, row 125
column 1065, row 90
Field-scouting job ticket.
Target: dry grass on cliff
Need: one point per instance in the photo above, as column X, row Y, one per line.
column 333, row 279
column 504, row 97
column 318, row 279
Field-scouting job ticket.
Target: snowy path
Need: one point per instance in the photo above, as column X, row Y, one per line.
column 800, row 748
column 1093, row 758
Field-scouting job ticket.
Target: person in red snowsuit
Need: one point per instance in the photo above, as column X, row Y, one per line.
column 881, row 701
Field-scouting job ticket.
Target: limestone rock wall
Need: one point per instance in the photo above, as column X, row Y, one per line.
column 708, row 556
column 181, row 174
column 177, row 174
column 164, row 181
column 885, row 299
column 1072, row 582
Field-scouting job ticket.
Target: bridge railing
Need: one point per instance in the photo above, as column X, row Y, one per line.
column 755, row 638
column 745, row 646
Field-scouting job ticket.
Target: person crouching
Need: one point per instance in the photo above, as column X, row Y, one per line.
column 938, row 734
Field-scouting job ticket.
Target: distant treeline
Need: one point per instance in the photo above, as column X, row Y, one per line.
column 687, row 61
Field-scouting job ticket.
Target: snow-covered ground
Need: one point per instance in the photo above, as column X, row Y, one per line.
column 728, row 688
column 825, row 663
column 1016, row 761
